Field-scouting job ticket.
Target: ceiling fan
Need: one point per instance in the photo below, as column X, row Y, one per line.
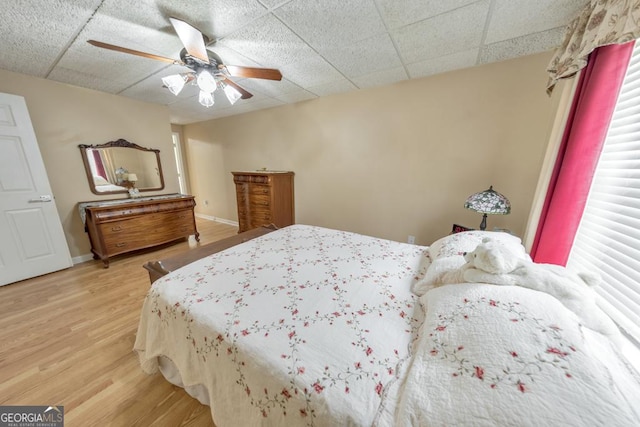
column 207, row 70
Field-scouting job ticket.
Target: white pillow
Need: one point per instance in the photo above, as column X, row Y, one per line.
column 466, row 241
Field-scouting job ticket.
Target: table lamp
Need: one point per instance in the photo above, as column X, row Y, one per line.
column 488, row 202
column 132, row 178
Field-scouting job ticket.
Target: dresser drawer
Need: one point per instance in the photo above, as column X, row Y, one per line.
column 119, row 247
column 178, row 218
column 116, row 229
column 122, row 236
column 175, row 227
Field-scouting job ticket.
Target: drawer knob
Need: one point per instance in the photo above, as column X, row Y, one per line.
column 121, row 245
column 116, row 228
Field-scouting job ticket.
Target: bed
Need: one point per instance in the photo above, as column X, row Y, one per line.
column 307, row 326
column 102, row 185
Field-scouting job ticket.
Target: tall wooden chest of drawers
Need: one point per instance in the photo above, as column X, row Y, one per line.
column 116, row 227
column 264, row 197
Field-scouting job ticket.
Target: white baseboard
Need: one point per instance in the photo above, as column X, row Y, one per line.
column 89, row 257
column 82, row 258
column 216, row 219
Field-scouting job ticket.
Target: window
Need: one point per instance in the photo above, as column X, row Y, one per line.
column 608, row 237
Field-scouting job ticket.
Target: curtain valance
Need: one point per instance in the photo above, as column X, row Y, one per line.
column 601, row 23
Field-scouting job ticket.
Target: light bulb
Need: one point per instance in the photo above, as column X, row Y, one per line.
column 174, row 83
column 206, row 98
column 206, row 82
column 232, row 94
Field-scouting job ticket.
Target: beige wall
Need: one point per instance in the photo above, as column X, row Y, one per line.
column 392, row 161
column 64, row 116
column 388, row 161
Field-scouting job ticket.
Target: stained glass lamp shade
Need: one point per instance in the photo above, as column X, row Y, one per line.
column 488, row 202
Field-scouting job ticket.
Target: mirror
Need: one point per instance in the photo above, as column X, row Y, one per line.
column 120, row 166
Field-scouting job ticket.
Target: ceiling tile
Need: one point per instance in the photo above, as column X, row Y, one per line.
column 508, row 20
column 121, row 29
column 117, row 66
column 334, row 21
column 270, row 87
column 78, row 78
column 31, row 42
column 333, row 87
column 293, row 97
column 268, row 42
column 398, row 13
column 520, row 46
column 312, row 71
column 231, row 57
column 379, row 78
column 451, row 32
column 214, row 18
column 272, row 4
column 259, row 105
column 376, row 53
column 442, row 64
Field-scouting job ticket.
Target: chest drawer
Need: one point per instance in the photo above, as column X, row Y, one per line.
column 261, row 218
column 260, row 200
column 260, row 190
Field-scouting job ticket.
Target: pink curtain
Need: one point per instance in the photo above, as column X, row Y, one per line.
column 582, row 142
column 97, row 159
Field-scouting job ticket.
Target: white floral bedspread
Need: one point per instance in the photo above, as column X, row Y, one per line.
column 303, row 326
column 506, row 356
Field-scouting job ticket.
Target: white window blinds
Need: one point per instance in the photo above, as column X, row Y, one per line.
column 608, row 238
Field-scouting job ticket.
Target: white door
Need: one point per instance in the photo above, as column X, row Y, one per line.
column 32, row 241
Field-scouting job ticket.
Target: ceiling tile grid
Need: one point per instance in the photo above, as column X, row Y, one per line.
column 322, row 47
column 443, row 35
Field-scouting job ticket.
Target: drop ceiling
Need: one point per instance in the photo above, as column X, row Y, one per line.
column 322, row 47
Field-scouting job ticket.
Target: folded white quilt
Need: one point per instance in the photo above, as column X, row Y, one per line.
column 505, row 355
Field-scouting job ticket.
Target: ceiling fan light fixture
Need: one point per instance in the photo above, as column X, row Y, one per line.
column 206, row 82
column 232, row 94
column 175, row 82
column 206, row 98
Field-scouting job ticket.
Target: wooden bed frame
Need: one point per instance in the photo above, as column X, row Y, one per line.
column 160, row 268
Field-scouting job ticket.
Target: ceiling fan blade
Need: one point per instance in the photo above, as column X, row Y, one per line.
column 245, row 94
column 251, row 72
column 134, row 52
column 191, row 38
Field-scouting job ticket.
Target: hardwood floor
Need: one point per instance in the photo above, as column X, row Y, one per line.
column 66, row 338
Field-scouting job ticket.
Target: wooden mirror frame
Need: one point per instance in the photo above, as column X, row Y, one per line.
column 120, row 143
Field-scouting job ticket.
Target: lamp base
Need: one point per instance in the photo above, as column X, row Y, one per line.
column 483, row 224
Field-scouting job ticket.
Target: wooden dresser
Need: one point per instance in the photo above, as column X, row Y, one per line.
column 119, row 226
column 264, row 197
